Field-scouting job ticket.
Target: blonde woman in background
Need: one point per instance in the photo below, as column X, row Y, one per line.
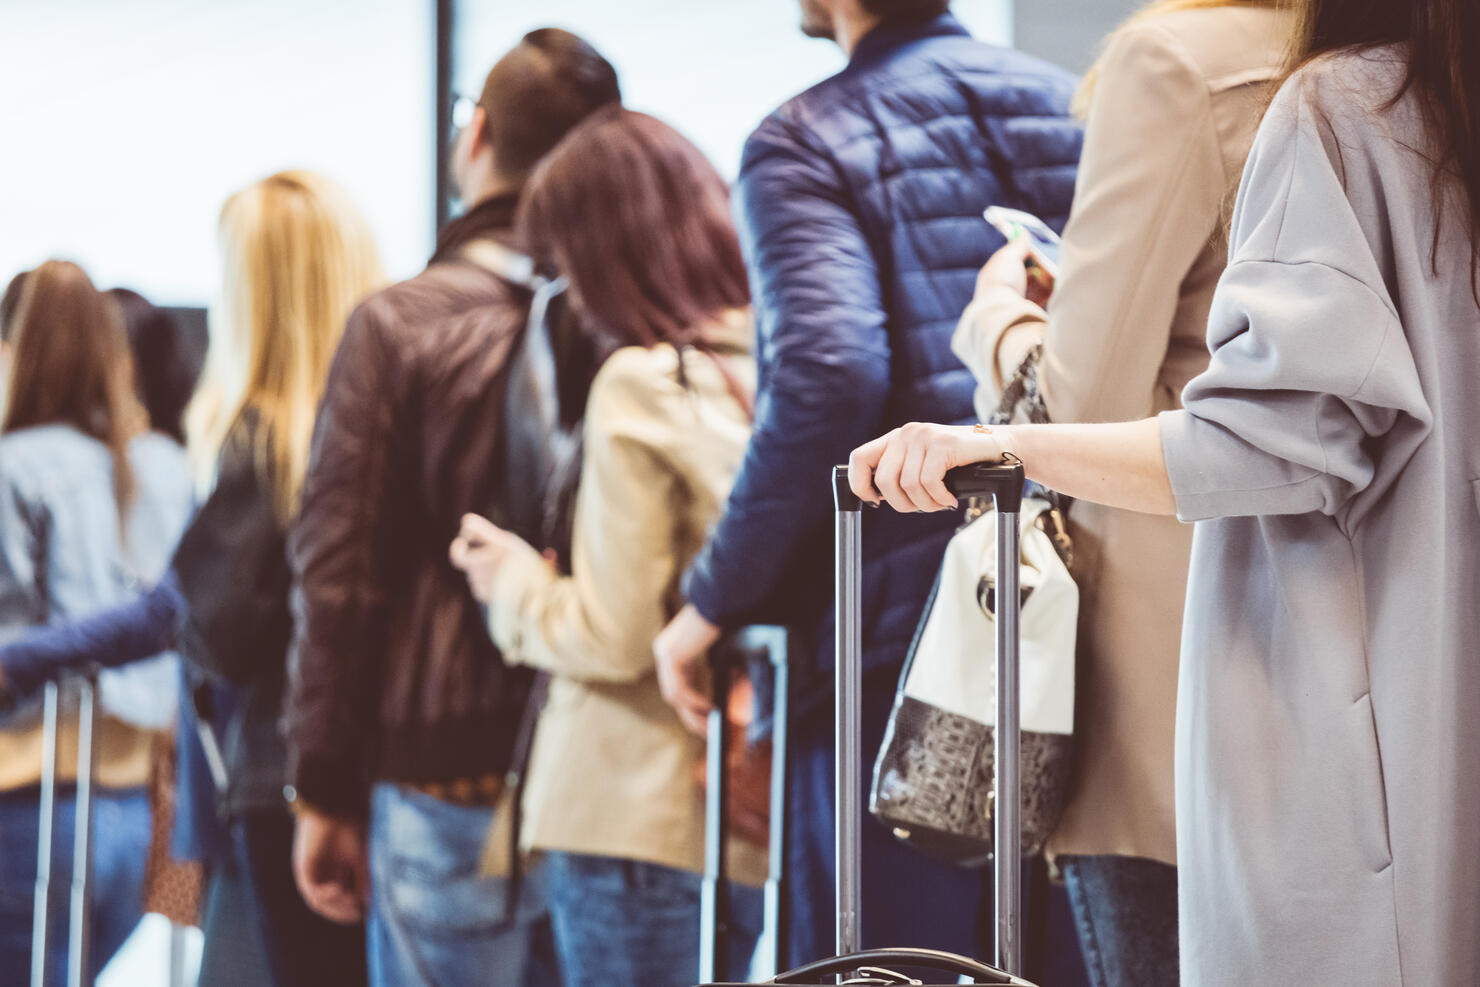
column 1172, row 108
column 296, row 258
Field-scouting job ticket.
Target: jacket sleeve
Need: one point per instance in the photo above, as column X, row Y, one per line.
column 1149, row 200
column 824, row 357
column 140, row 629
column 1311, row 364
column 598, row 624
column 337, row 560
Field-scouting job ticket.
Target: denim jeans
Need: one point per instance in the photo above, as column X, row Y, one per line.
column 434, row 921
column 1126, row 911
column 624, row 923
column 120, row 835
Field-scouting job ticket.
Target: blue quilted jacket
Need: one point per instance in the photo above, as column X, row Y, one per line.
column 860, row 209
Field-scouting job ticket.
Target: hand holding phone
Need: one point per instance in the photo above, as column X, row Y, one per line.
column 1044, row 246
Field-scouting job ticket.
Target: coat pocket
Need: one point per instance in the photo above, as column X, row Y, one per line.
column 1368, row 788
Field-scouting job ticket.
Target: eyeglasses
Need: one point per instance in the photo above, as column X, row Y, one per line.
column 462, row 108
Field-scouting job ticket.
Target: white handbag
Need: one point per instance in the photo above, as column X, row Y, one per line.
column 934, row 770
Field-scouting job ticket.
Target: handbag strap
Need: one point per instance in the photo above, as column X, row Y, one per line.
column 1023, row 401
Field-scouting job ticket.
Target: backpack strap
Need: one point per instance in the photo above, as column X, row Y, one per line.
column 506, row 262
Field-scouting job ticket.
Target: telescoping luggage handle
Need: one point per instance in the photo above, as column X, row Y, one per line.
column 714, row 900
column 78, row 973
column 1003, row 483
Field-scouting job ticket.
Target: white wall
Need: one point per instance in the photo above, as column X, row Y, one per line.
column 1068, row 32
column 712, row 68
column 124, row 124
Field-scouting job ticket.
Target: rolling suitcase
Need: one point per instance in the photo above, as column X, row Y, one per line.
column 1003, row 483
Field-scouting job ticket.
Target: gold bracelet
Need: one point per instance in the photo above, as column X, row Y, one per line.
column 1007, row 454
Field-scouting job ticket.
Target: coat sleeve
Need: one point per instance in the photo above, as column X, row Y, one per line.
column 337, row 558
column 139, row 629
column 1310, row 361
column 1149, row 200
column 598, row 624
column 824, row 357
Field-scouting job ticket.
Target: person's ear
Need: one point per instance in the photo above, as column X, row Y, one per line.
column 476, row 133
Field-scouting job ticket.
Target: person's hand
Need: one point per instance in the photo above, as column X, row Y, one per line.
column 679, row 650
column 908, row 465
column 478, row 550
column 331, row 865
column 1012, row 268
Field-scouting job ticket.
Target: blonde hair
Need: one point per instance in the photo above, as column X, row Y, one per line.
column 297, row 257
column 1086, row 92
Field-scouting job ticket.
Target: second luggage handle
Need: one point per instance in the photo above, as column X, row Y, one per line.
column 1003, row 482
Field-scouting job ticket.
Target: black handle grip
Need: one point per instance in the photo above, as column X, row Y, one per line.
column 1003, row 482
column 927, row 958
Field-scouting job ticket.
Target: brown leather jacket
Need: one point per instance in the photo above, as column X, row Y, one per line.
column 393, row 675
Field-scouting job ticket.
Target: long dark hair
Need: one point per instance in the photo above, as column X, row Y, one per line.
column 639, row 221
column 167, row 362
column 1443, row 41
column 70, row 365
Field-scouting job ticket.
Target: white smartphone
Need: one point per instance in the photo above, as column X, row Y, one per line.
column 1044, row 244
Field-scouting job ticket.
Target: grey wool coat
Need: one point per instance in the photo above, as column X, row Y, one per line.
column 1328, row 729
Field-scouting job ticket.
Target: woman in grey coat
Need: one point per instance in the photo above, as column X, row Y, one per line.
column 1328, row 742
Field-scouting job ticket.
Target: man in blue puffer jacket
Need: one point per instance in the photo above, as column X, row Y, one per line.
column 860, row 208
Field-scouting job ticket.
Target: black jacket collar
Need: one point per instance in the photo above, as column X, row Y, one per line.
column 491, row 219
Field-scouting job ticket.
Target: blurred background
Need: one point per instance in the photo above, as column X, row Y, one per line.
column 124, row 124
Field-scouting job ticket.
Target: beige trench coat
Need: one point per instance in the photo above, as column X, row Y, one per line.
column 1173, row 116
column 612, row 772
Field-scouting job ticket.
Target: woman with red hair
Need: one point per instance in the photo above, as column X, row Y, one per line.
column 639, row 222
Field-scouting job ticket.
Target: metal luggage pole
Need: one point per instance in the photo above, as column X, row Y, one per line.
column 1006, row 744
column 1004, row 482
column 79, row 934
column 715, row 891
column 848, row 689
column 41, row 912
column 776, row 862
column 177, row 955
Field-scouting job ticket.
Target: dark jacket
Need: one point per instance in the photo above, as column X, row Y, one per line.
column 223, row 605
column 233, row 628
column 860, row 208
column 393, row 675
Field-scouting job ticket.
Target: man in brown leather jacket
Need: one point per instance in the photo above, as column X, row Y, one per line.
column 401, row 717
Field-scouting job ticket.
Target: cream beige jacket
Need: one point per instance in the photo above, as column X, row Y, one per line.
column 613, row 769
column 1171, row 122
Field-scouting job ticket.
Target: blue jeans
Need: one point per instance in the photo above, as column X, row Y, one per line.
column 624, row 923
column 116, row 891
column 1126, row 911
column 434, row 922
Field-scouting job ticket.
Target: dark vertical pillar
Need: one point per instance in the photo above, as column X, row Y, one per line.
column 442, row 93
